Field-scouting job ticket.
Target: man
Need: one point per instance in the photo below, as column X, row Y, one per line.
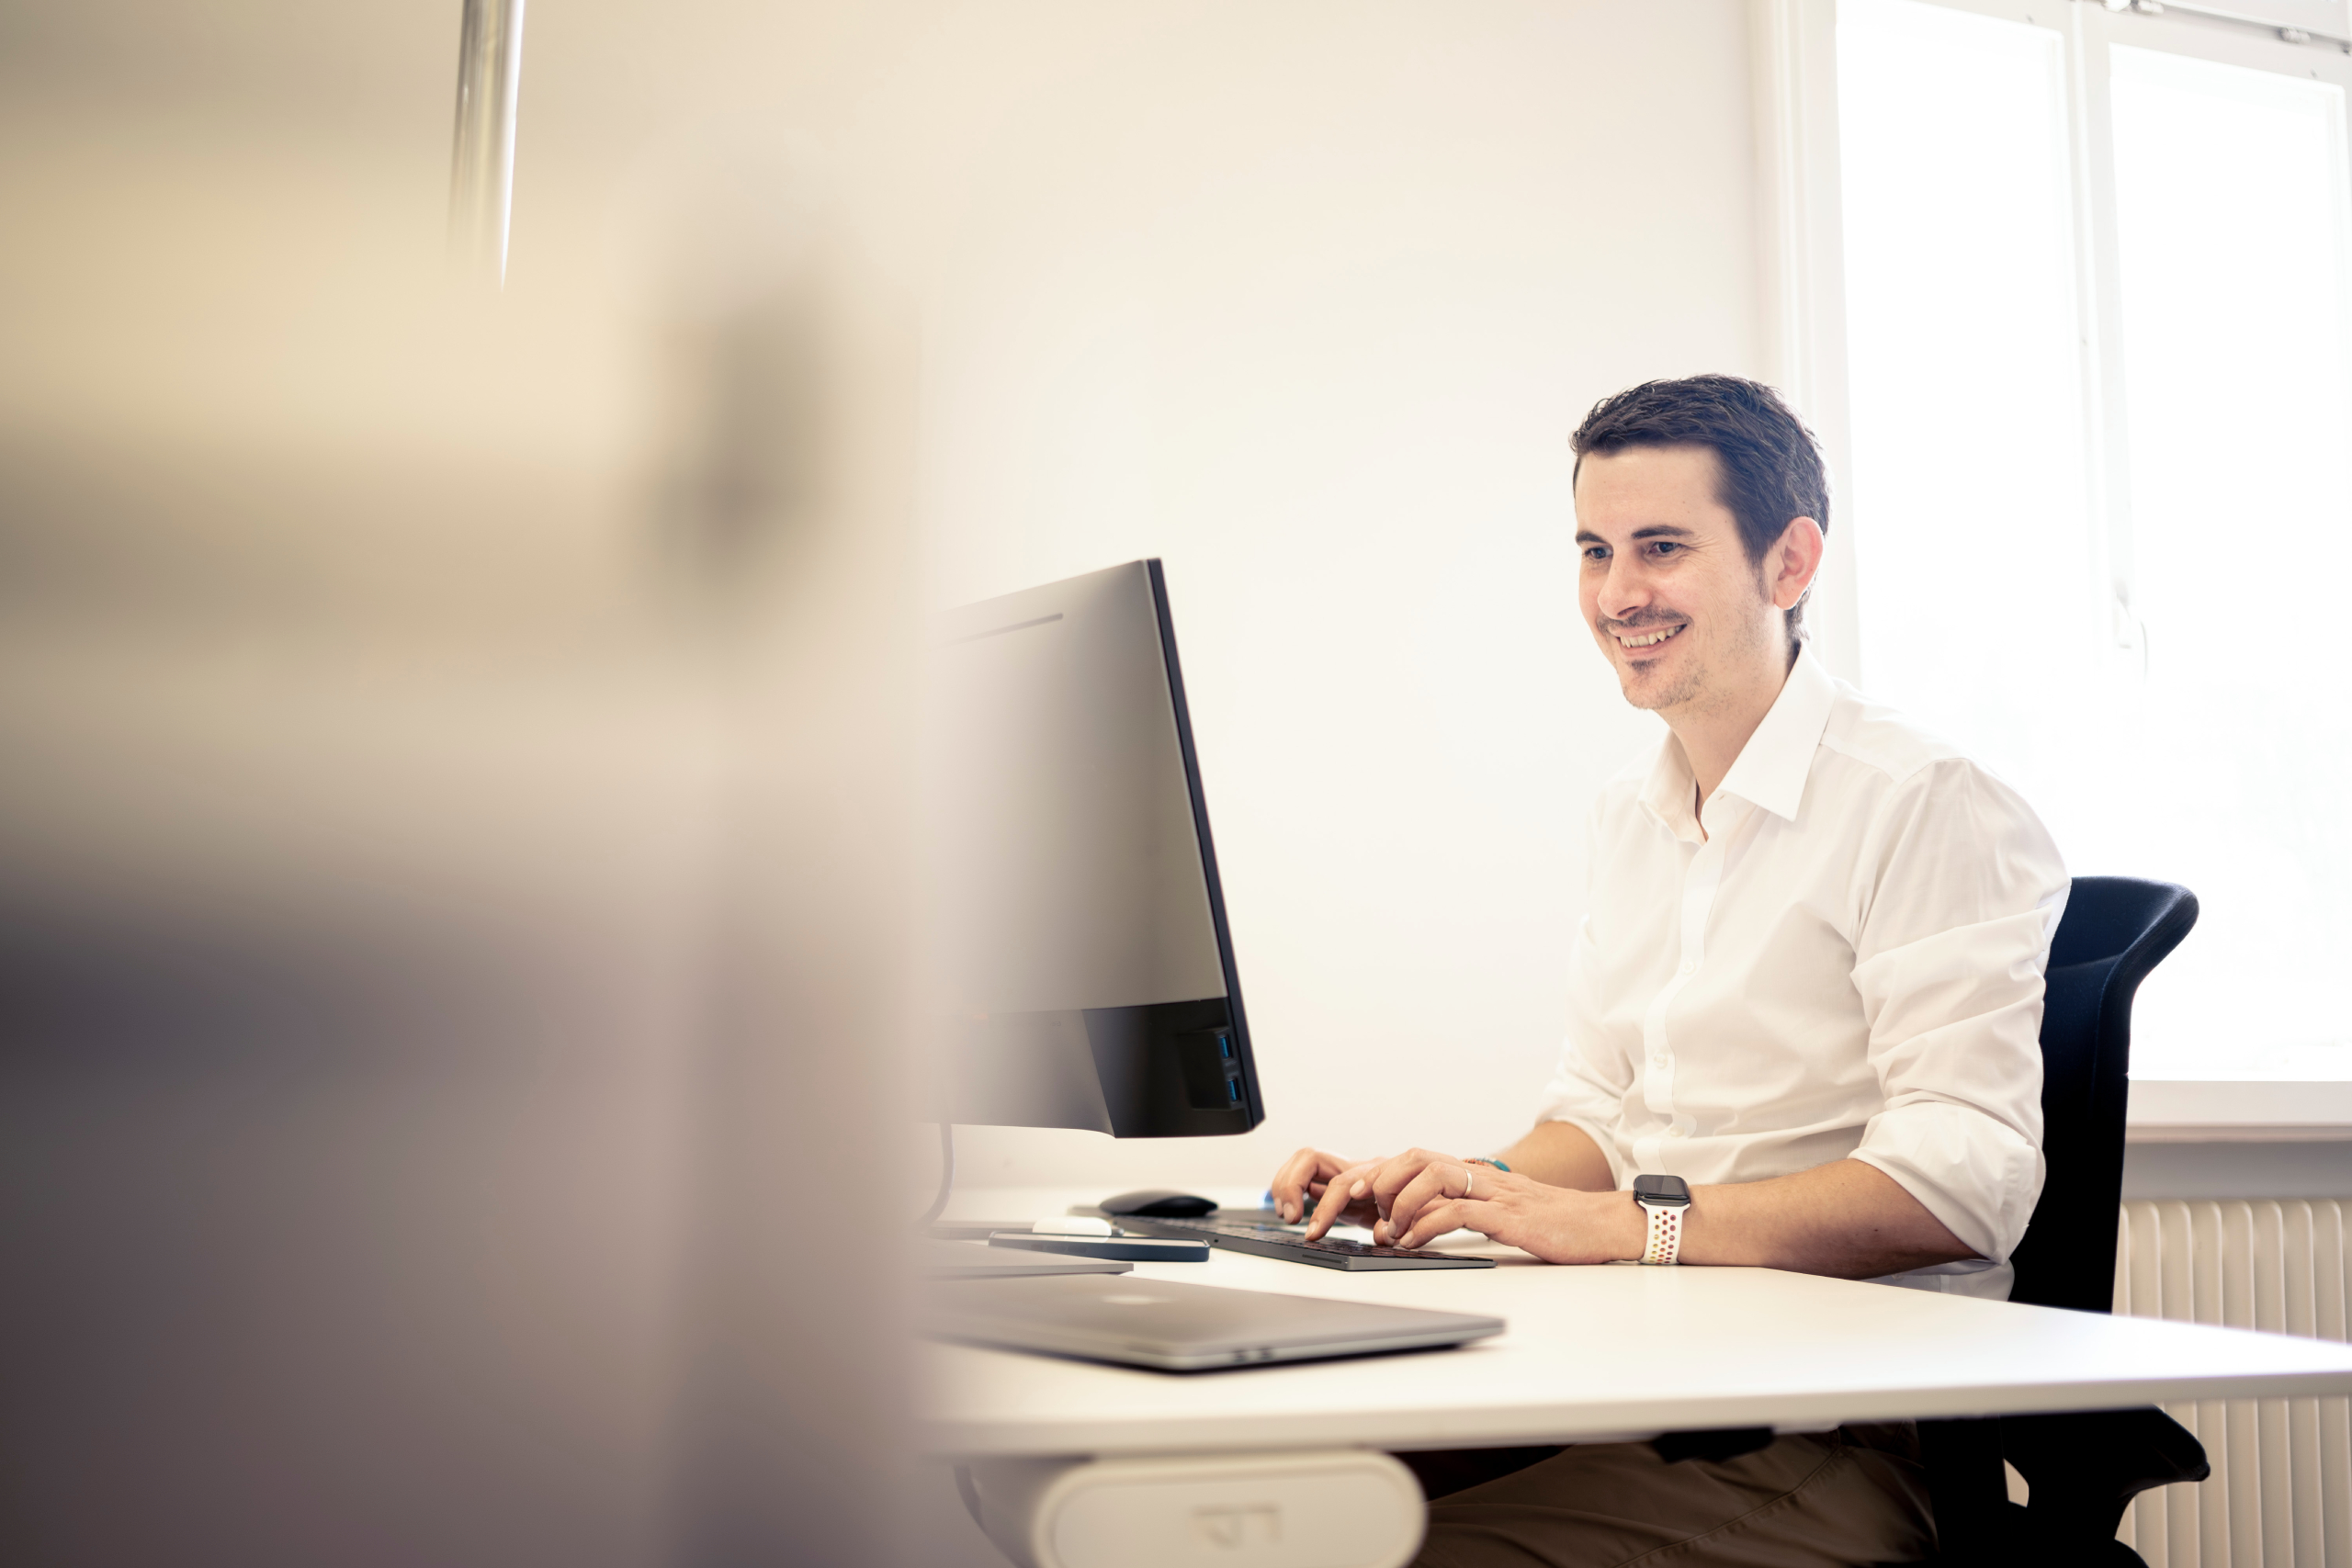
column 1808, row 984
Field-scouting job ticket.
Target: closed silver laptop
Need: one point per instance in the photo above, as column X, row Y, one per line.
column 1180, row 1328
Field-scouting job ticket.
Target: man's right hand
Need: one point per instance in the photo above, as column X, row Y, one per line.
column 1306, row 1179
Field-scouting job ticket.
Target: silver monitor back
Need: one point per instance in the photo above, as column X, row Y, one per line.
column 1084, row 969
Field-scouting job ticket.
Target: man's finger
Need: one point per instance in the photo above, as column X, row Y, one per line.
column 1291, row 1180
column 1446, row 1214
column 1397, row 1174
column 1434, row 1183
column 1344, row 1187
column 1296, row 1180
column 1403, row 1169
column 1339, row 1191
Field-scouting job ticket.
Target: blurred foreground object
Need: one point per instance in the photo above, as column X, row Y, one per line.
column 450, row 835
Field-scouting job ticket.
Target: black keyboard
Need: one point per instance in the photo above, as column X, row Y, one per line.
column 1262, row 1232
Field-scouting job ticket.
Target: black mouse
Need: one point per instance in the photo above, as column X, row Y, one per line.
column 1160, row 1204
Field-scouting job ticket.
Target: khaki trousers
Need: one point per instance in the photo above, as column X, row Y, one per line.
column 1857, row 1495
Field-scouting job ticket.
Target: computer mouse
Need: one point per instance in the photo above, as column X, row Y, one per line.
column 1158, row 1202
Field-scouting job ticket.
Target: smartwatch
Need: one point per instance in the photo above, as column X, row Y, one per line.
column 1664, row 1200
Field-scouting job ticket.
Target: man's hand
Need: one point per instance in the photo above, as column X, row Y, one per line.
column 1307, row 1176
column 1420, row 1195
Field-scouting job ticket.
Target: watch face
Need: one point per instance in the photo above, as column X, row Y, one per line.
column 1661, row 1189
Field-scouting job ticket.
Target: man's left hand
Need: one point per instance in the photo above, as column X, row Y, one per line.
column 1421, row 1195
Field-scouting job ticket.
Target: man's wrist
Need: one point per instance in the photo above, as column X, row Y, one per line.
column 1620, row 1228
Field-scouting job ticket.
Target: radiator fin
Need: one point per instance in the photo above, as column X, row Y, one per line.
column 2281, row 1491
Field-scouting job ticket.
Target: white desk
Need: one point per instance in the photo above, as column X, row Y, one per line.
column 1600, row 1353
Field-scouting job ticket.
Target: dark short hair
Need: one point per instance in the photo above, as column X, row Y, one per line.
column 1768, row 462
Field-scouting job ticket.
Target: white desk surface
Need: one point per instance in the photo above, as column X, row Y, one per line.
column 1600, row 1353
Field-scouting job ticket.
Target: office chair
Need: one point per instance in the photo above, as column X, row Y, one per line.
column 2083, row 1468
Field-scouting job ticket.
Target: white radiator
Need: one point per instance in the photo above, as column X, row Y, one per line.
column 2281, row 1491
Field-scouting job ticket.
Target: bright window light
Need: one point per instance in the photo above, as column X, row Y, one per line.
column 2151, row 674
column 2231, row 775
column 1977, row 593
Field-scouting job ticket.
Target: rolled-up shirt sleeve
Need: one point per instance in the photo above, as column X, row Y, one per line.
column 1957, row 893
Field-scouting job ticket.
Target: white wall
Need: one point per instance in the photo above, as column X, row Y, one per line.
column 1306, row 300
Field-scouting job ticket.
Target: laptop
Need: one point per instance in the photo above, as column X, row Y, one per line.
column 1180, row 1328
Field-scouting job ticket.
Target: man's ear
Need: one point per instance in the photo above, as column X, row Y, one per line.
column 1794, row 561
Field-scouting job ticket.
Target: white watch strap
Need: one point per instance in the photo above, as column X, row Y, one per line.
column 1665, row 1242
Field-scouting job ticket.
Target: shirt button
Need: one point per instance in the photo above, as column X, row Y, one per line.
column 1689, row 968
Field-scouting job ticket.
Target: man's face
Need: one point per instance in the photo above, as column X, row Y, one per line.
column 1667, row 588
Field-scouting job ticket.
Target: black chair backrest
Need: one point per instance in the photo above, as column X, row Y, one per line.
column 2116, row 928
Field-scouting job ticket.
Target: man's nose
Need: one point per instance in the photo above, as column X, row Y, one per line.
column 1623, row 591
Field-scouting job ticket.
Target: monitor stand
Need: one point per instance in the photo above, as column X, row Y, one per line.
column 937, row 1229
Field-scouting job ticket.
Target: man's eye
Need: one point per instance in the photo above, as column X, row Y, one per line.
column 1664, row 547
column 1595, row 552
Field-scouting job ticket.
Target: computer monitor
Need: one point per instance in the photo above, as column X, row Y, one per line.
column 1083, row 973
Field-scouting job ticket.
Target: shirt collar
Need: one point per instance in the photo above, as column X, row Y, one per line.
column 1772, row 768
column 1668, row 795
column 1778, row 759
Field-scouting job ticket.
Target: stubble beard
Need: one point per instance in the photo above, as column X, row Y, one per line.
column 1646, row 686
column 1658, row 695
column 1694, row 689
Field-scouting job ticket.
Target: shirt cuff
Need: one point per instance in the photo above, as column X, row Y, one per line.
column 1978, row 1177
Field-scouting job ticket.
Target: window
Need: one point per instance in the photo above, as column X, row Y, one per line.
column 2098, row 364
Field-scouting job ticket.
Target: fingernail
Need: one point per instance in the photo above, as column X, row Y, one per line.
column 1357, row 1190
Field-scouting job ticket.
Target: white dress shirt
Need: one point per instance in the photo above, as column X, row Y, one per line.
column 1848, row 963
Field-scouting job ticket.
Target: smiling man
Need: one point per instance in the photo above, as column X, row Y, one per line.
column 1804, row 1003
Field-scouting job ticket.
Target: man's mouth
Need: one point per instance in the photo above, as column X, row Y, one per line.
column 1648, row 639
